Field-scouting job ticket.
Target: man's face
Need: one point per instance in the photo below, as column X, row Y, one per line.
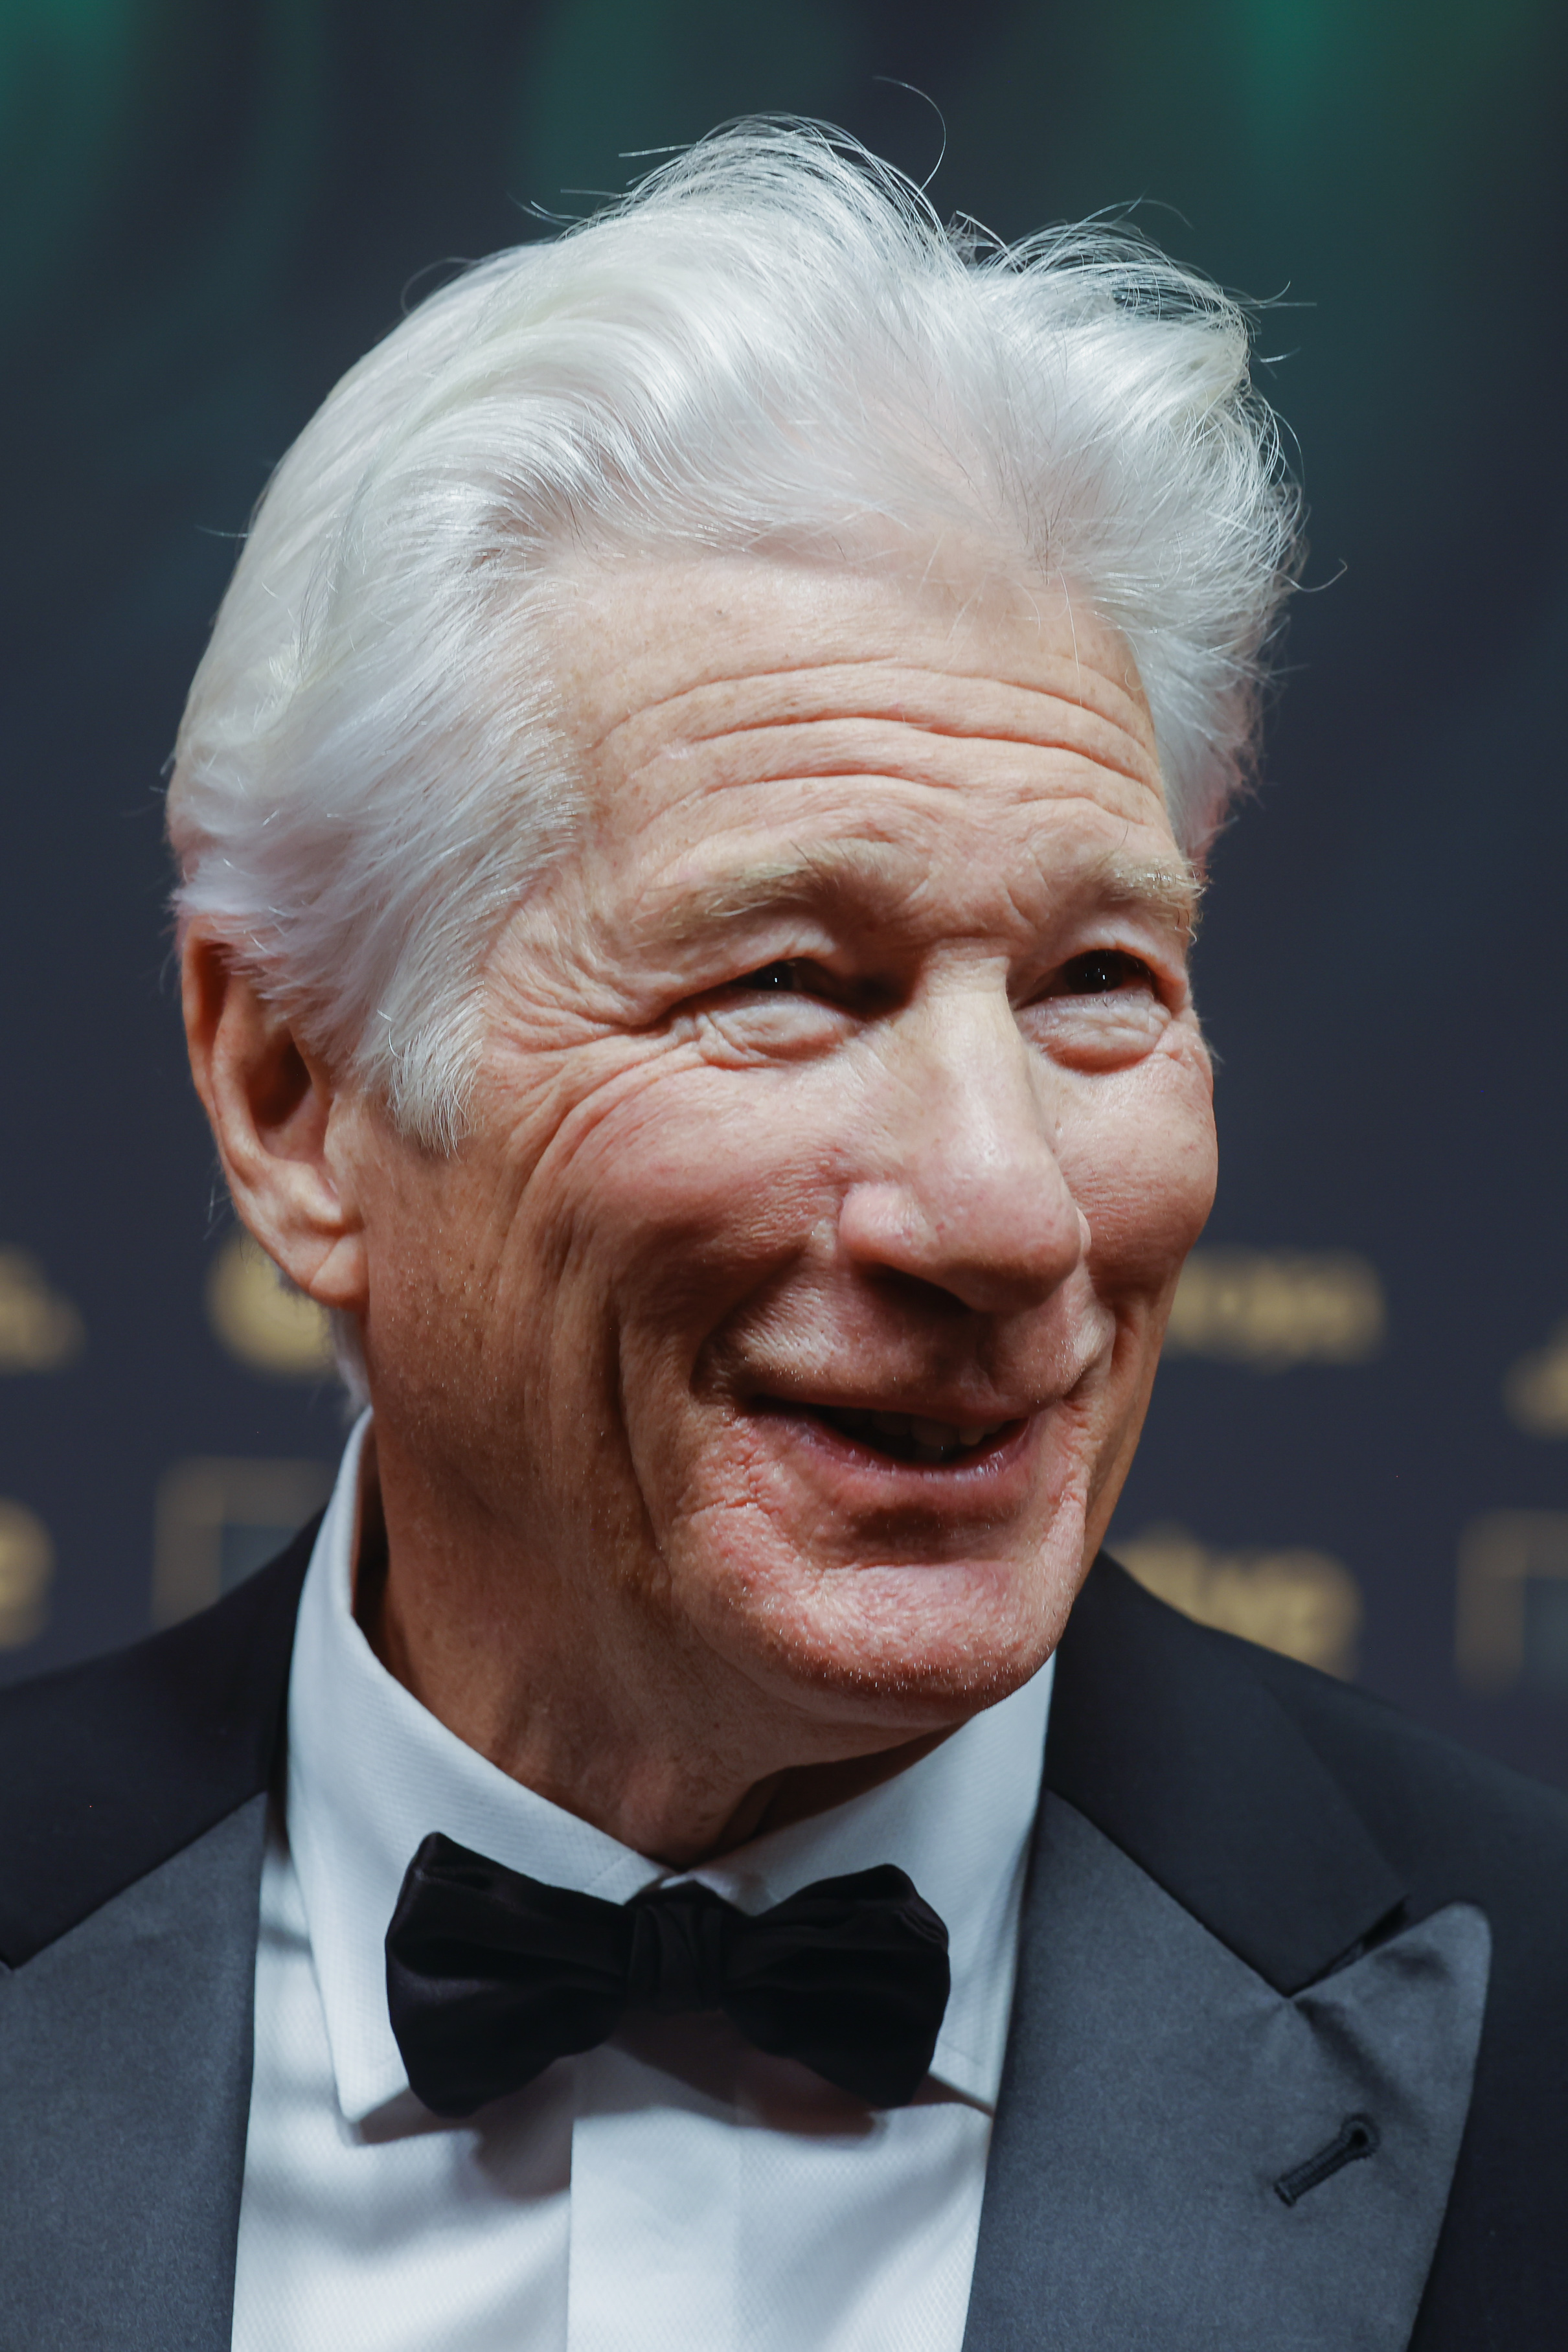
column 843, row 1124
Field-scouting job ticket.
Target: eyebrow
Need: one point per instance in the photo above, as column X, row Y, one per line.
column 806, row 877
column 1165, row 887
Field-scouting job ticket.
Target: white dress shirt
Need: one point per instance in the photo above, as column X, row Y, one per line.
column 675, row 2190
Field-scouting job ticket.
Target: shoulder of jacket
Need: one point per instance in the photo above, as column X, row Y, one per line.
column 109, row 1769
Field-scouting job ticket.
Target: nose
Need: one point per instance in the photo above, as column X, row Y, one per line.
column 969, row 1197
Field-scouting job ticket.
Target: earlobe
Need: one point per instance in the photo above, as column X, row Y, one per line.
column 278, row 1118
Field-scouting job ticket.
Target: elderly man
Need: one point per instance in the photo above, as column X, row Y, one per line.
column 690, row 825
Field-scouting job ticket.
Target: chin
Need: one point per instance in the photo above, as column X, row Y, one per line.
column 920, row 1644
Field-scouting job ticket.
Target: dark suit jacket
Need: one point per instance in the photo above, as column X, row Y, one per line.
column 1259, row 1905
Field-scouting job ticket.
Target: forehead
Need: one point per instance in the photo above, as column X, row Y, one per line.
column 647, row 649
column 715, row 701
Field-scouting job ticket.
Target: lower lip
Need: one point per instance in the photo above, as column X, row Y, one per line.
column 1004, row 1459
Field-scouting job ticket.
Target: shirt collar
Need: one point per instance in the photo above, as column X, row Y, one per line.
column 371, row 1772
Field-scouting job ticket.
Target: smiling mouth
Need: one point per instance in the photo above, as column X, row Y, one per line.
column 909, row 1436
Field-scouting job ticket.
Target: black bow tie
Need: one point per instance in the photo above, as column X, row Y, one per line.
column 492, row 1974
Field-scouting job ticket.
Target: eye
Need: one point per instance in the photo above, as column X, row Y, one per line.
column 773, row 979
column 1103, row 972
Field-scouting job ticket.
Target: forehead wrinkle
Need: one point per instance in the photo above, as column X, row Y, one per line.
column 916, row 770
column 1136, row 771
column 793, row 750
column 895, row 707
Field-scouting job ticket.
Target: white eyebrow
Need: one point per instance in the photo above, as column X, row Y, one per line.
column 1169, row 886
column 805, row 874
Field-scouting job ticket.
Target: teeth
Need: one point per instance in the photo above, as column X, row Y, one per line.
column 916, row 1437
column 933, row 1433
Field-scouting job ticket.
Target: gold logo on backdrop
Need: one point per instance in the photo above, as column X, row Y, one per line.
column 1513, row 1600
column 1271, row 1309
column 259, row 1317
column 40, row 1330
column 27, row 1565
column 1535, row 1392
column 1304, row 1603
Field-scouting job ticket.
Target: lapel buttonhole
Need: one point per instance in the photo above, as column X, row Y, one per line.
column 1357, row 2137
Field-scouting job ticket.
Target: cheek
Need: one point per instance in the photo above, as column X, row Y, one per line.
column 1142, row 1162
column 668, row 1200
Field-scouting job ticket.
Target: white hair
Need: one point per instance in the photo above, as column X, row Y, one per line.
column 772, row 339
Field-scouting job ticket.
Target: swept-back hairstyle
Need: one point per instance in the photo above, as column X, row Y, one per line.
column 771, row 341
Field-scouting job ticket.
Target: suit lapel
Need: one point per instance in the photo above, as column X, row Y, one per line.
column 125, row 2058
column 130, row 1847
column 1214, row 1978
column 108, row 1769
column 1162, row 1737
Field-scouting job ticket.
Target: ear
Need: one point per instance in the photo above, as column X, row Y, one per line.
column 285, row 1128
